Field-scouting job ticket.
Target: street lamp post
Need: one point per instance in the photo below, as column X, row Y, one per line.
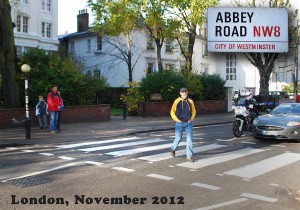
column 26, row 69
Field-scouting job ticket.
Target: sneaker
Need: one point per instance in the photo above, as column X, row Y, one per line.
column 52, row 132
column 46, row 127
column 173, row 154
column 190, row 159
column 41, row 128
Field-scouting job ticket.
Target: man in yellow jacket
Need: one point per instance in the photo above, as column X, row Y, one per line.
column 183, row 113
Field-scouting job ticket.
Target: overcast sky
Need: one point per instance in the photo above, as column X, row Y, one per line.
column 68, row 11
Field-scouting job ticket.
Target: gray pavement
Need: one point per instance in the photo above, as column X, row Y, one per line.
column 117, row 126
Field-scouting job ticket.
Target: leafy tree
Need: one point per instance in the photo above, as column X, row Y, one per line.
column 190, row 14
column 264, row 62
column 8, row 58
column 118, row 19
column 49, row 70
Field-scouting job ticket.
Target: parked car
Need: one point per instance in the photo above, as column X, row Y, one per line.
column 283, row 122
column 279, row 94
column 266, row 102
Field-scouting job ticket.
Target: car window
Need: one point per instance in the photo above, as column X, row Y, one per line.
column 289, row 109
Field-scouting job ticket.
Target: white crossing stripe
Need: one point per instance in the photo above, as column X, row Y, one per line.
column 92, row 149
column 142, row 149
column 68, row 146
column 66, row 158
column 264, row 166
column 46, row 154
column 160, row 177
column 124, row 169
column 259, row 197
column 228, row 203
column 94, row 163
column 197, row 184
column 166, row 155
column 27, row 150
column 221, row 158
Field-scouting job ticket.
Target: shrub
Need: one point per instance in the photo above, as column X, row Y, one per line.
column 167, row 83
column 213, row 87
column 195, row 86
column 132, row 98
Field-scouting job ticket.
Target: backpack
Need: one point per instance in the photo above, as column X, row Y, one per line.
column 42, row 107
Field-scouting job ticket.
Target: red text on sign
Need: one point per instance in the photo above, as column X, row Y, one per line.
column 266, row 31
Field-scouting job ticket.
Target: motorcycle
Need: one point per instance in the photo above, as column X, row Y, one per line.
column 243, row 118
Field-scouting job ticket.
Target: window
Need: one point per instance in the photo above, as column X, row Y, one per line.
column 72, row 47
column 97, row 73
column 230, row 66
column 22, row 23
column 170, row 67
column 150, row 43
column 46, row 30
column 46, row 5
column 25, row 1
column 99, row 43
column 19, row 51
column 150, row 67
column 169, row 46
column 89, row 45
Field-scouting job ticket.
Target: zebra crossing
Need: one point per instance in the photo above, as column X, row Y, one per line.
column 158, row 149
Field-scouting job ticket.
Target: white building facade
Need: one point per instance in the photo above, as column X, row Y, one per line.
column 36, row 24
column 100, row 56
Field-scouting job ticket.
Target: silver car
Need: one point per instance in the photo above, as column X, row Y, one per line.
column 283, row 122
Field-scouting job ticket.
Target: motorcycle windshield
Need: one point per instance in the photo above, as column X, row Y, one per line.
column 241, row 102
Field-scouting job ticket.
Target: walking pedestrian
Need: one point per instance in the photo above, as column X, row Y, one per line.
column 183, row 113
column 54, row 104
column 41, row 110
column 60, row 110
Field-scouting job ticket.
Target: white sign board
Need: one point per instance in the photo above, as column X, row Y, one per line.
column 247, row 29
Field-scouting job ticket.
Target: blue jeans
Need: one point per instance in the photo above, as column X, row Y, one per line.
column 179, row 128
column 53, row 120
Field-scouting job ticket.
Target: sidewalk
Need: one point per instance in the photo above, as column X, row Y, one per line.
column 117, row 126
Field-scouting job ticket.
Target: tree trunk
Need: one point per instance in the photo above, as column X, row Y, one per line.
column 129, row 61
column 189, row 56
column 8, row 64
column 264, row 81
column 158, row 54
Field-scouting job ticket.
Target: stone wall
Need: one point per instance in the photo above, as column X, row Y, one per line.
column 92, row 113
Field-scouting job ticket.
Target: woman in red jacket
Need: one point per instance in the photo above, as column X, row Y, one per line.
column 54, row 103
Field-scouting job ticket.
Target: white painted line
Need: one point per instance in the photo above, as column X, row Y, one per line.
column 42, row 172
column 259, row 197
column 121, row 145
column 94, row 163
column 210, row 187
column 193, row 170
column 10, row 148
column 221, row 158
column 167, row 155
column 124, row 169
column 273, row 184
column 248, row 180
column 46, row 154
column 150, row 162
column 264, row 166
column 170, row 166
column 226, row 139
column 247, row 142
column 27, row 150
column 220, row 174
column 160, row 177
column 228, row 203
column 278, row 145
column 66, row 158
column 142, row 149
column 68, row 146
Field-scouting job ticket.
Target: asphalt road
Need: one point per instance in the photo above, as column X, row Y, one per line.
column 137, row 172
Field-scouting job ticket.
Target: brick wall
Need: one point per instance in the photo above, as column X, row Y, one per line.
column 163, row 108
column 92, row 113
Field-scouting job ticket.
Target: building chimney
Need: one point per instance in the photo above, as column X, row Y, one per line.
column 82, row 20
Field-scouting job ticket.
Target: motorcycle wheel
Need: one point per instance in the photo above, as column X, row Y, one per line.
column 235, row 128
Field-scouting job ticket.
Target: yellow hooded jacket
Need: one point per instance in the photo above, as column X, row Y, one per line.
column 183, row 110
